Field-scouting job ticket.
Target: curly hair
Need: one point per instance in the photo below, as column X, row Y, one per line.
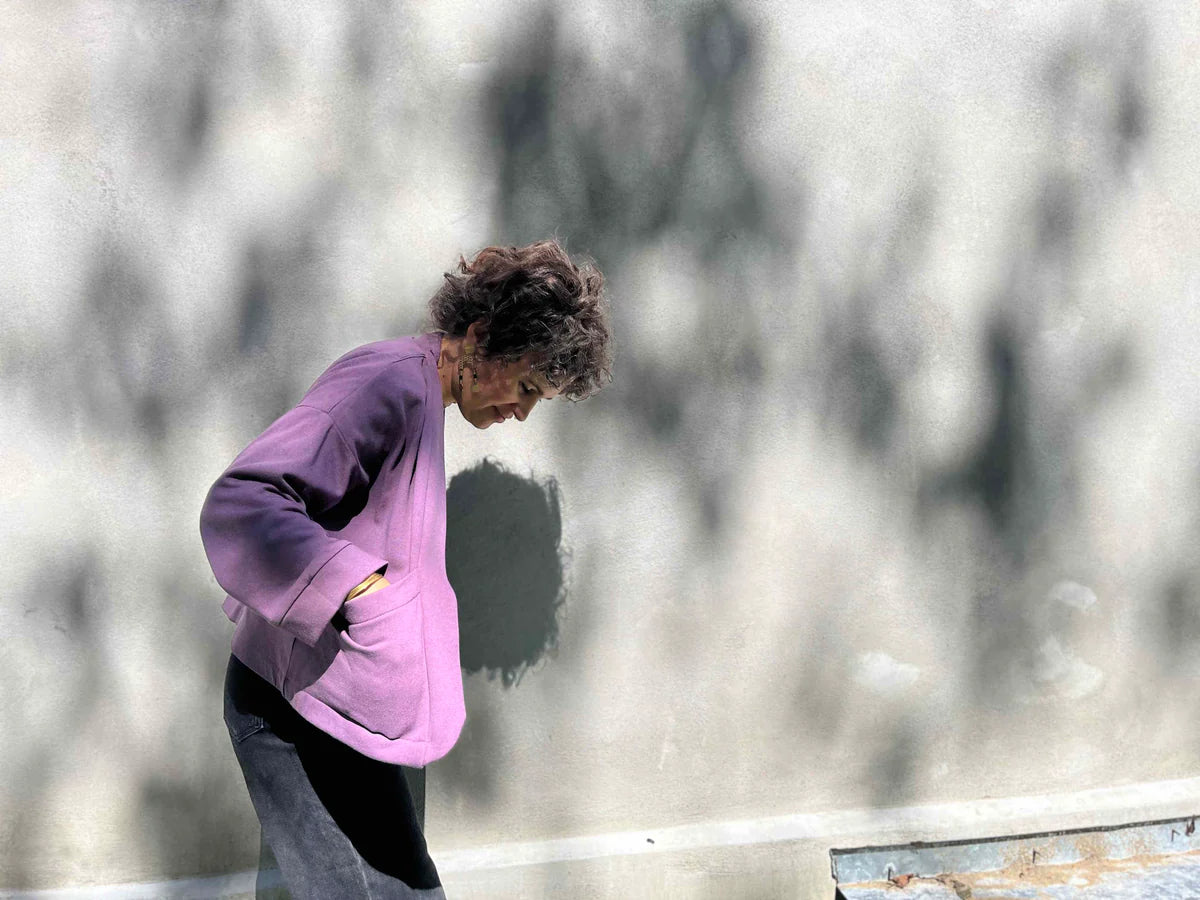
column 533, row 300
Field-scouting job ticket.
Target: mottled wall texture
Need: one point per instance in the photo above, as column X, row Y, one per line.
column 894, row 498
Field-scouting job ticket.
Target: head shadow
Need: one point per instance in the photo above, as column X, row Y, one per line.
column 505, row 562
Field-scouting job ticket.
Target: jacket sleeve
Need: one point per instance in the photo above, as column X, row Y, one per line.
column 258, row 530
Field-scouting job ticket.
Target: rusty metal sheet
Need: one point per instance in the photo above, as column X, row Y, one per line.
column 1149, row 860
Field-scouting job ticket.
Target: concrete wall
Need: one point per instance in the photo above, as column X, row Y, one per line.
column 894, row 499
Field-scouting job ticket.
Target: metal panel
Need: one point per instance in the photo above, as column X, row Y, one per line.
column 1155, row 859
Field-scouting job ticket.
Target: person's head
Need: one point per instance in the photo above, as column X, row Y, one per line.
column 534, row 325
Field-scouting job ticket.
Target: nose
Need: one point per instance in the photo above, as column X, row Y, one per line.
column 521, row 411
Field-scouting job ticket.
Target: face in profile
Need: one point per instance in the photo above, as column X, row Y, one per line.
column 506, row 391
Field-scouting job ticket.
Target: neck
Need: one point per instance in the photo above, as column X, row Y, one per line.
column 448, row 356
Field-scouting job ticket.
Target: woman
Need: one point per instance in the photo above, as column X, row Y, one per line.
column 328, row 533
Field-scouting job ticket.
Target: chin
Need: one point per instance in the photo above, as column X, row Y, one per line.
column 471, row 419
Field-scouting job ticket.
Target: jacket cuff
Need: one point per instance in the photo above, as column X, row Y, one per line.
column 315, row 605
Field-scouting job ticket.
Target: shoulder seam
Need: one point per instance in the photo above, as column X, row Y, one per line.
column 358, row 387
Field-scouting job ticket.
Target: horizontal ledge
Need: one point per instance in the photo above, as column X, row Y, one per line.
column 939, row 821
column 1095, row 807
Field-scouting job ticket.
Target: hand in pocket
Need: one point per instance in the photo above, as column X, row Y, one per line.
column 377, row 585
column 339, row 618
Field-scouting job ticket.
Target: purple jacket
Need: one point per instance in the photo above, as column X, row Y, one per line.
column 350, row 481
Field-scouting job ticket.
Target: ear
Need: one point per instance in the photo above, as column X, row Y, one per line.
column 477, row 333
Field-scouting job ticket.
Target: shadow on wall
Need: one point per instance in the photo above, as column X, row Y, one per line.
column 65, row 598
column 125, row 366
column 124, row 373
column 614, row 159
column 619, row 153
column 865, row 357
column 1176, row 620
column 127, row 363
column 1021, row 477
column 1024, row 474
column 505, row 563
column 122, row 361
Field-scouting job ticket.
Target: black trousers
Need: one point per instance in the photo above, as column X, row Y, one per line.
column 340, row 824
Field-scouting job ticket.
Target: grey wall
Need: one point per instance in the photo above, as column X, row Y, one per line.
column 894, row 499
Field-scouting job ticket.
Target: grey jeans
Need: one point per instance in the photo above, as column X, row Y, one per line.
column 340, row 824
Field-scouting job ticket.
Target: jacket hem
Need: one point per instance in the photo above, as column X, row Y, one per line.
column 414, row 754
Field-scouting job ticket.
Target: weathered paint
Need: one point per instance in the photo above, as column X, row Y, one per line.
column 1148, row 859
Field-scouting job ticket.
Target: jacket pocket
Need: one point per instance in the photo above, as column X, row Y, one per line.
column 397, row 594
column 378, row 677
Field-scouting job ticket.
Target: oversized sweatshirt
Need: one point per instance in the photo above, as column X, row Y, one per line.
column 348, row 482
